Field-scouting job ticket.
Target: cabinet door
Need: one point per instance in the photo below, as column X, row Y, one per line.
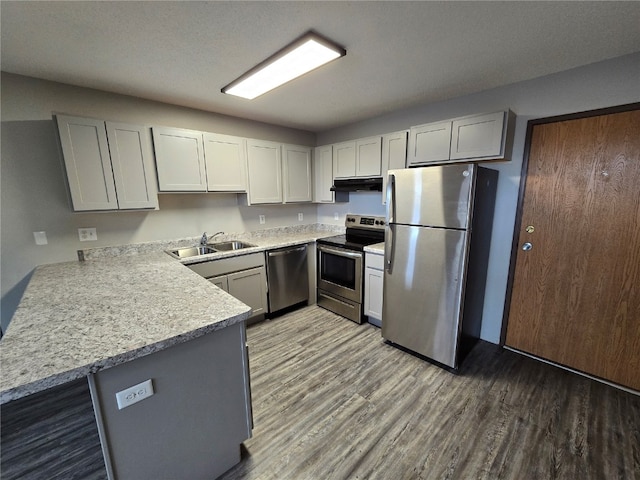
column 132, row 162
column 373, row 284
column 87, row 162
column 368, row 157
column 479, row 136
column 221, row 282
column 296, row 169
column 179, row 160
column 250, row 287
column 430, row 143
column 323, row 174
column 265, row 172
column 344, row 160
column 394, row 156
column 225, row 160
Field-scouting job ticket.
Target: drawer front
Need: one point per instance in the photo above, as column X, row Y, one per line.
column 223, row 266
column 373, row 260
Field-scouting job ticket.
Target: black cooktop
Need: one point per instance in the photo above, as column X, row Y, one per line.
column 361, row 231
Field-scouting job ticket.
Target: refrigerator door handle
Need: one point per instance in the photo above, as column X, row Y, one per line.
column 391, row 218
column 391, row 199
column 388, row 248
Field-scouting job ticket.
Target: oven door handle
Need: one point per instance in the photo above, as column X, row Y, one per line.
column 340, row 253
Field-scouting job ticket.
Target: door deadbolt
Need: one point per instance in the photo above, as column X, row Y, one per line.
column 527, row 246
column 529, row 229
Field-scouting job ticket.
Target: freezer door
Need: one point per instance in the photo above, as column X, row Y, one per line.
column 437, row 196
column 423, row 284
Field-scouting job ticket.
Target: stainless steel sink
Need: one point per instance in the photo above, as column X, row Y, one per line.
column 230, row 245
column 200, row 250
column 191, row 251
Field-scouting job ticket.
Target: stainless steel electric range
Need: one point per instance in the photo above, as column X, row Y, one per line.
column 341, row 265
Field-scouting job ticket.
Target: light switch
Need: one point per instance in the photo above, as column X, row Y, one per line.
column 40, row 237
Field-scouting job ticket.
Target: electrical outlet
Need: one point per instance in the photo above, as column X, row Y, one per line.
column 87, row 234
column 262, row 219
column 134, row 394
column 300, row 217
column 40, row 238
column 336, row 216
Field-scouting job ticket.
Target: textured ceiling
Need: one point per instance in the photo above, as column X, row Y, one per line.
column 398, row 53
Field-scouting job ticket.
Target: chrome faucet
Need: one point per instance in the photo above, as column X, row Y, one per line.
column 204, row 239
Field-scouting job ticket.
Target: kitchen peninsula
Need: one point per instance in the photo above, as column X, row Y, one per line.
column 124, row 315
column 118, row 321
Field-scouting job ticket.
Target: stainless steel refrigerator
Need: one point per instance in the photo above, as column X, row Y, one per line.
column 439, row 222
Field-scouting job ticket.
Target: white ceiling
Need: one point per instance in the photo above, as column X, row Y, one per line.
column 398, row 53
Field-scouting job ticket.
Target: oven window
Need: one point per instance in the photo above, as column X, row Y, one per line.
column 339, row 270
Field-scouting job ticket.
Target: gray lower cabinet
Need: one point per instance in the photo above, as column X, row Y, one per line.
column 193, row 424
column 244, row 277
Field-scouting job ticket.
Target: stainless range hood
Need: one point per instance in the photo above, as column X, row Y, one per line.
column 373, row 184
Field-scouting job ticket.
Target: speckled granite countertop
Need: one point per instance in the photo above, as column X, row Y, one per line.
column 76, row 318
column 377, row 248
column 122, row 303
column 262, row 239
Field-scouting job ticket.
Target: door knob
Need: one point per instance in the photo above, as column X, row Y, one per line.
column 527, row 246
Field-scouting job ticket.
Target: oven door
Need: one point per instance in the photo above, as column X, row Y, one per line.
column 340, row 272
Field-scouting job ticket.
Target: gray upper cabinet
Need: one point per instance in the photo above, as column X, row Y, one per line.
column 394, row 156
column 323, row 174
column 480, row 136
column 109, row 165
column 344, row 159
column 368, row 157
column 265, row 172
column 465, row 139
column 132, row 163
column 357, row 158
column 296, row 172
column 225, row 160
column 179, row 160
column 429, row 143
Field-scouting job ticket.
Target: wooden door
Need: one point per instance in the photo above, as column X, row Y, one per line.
column 576, row 291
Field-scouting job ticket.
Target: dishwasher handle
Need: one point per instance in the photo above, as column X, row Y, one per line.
column 278, row 253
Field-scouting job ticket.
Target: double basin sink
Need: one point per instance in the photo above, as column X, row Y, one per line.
column 199, row 250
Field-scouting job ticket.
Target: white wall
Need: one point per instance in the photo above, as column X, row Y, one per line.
column 34, row 193
column 600, row 85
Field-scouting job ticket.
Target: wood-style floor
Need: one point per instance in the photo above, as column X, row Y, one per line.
column 332, row 401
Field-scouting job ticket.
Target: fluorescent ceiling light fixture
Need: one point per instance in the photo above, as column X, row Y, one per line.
column 303, row 55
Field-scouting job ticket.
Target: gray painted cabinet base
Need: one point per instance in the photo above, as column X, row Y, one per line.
column 193, row 424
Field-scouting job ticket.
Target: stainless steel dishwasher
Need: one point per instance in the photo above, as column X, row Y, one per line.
column 288, row 277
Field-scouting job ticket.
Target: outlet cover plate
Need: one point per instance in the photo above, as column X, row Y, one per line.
column 87, row 234
column 134, row 394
